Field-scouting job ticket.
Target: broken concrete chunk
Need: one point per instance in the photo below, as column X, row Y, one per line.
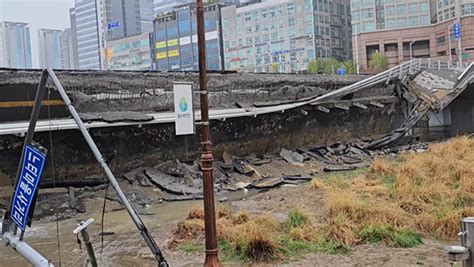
column 291, row 157
column 169, row 183
column 297, row 177
column 260, row 162
column 182, row 198
column 267, row 183
column 350, row 160
column 125, row 116
column 339, row 168
column 226, row 158
column 143, row 180
column 244, row 168
column 90, row 117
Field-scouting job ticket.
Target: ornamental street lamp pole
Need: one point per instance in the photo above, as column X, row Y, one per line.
column 212, row 259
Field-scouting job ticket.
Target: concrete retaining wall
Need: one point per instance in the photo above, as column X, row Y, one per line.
column 239, row 136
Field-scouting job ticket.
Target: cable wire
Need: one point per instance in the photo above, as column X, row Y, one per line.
column 54, row 176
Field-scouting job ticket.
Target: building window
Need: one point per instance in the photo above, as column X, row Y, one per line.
column 291, row 22
column 402, row 22
column 391, row 23
column 390, row 11
column 412, row 8
column 413, row 21
column 401, row 10
column 291, row 9
column 468, row 9
column 441, row 40
column 423, row 7
column 424, row 20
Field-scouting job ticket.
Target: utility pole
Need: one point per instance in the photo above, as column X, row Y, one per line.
column 356, row 49
column 212, row 258
column 449, row 45
column 458, row 12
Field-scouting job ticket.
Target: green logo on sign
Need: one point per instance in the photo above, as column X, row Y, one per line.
column 183, row 105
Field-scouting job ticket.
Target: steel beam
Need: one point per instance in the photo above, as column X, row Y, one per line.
column 359, row 105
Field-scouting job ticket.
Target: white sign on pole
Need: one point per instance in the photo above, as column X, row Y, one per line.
column 183, row 108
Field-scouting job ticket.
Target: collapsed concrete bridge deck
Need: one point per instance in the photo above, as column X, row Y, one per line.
column 321, row 110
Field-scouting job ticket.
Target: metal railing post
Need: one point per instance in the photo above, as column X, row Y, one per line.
column 467, row 239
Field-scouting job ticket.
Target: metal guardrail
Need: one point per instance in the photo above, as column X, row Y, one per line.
column 397, row 73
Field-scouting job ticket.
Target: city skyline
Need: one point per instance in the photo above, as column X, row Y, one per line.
column 36, row 17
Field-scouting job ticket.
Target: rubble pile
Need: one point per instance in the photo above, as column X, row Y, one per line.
column 182, row 180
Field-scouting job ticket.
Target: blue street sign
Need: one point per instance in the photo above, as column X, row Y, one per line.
column 457, row 31
column 31, row 169
column 341, row 71
column 113, row 25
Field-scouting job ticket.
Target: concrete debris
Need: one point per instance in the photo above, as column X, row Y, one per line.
column 260, row 162
column 296, row 177
column 116, row 116
column 338, row 155
column 182, row 197
column 243, row 167
column 226, row 158
column 339, row 168
column 241, row 185
column 76, row 202
column 267, row 183
column 169, row 183
column 292, row 157
column 143, row 180
column 223, row 199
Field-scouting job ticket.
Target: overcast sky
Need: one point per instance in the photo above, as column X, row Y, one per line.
column 40, row 14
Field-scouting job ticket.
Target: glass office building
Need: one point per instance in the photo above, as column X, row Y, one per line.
column 175, row 39
column 284, row 35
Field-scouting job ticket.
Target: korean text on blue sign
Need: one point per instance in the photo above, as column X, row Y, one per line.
column 31, row 169
column 457, row 31
column 113, row 25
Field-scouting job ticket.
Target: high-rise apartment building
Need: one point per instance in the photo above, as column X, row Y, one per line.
column 284, row 35
column 75, row 56
column 403, row 30
column 15, row 46
column 67, row 50
column 49, row 48
column 175, row 39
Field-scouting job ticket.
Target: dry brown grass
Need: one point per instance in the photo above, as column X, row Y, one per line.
column 189, row 229
column 196, row 213
column 341, row 230
column 381, row 167
column 223, row 212
column 259, row 240
column 363, row 212
column 317, row 184
column 255, row 237
column 305, row 233
column 241, row 218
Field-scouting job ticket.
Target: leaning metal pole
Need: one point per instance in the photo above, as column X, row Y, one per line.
column 22, row 248
column 212, row 258
column 131, row 211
